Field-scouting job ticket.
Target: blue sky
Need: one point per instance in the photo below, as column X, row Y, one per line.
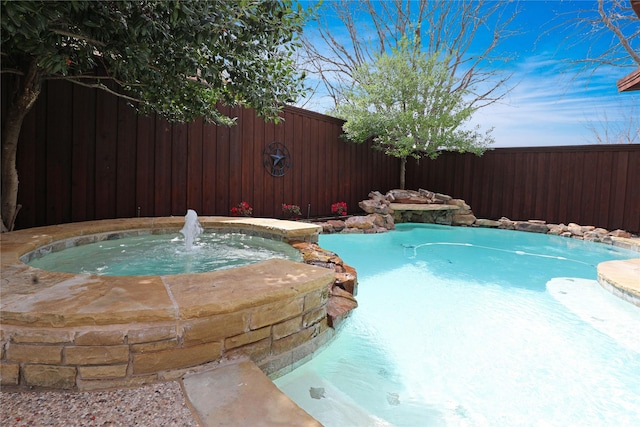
column 550, row 103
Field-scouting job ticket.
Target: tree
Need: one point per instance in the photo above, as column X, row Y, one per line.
column 405, row 102
column 468, row 32
column 612, row 24
column 613, row 33
column 623, row 128
column 177, row 58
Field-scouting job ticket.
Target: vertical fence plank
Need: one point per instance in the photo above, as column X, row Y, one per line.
column 58, row 154
column 145, row 166
column 508, row 187
column 487, row 179
column 106, row 155
column 553, row 188
column 632, row 199
column 126, row 161
column 263, row 208
column 564, row 164
column 271, row 203
column 195, row 161
column 324, row 164
column 618, row 189
column 541, row 176
column 162, row 170
column 283, row 185
column 603, row 185
column 223, row 165
column 234, row 168
column 589, row 211
column 316, row 164
column 333, row 171
column 179, row 169
column 295, row 175
column 246, row 159
column 83, row 154
column 209, row 168
column 576, row 163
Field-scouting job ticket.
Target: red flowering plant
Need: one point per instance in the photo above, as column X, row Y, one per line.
column 291, row 210
column 243, row 209
column 339, row 208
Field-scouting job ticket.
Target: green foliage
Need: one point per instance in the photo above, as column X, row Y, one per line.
column 405, row 101
column 178, row 58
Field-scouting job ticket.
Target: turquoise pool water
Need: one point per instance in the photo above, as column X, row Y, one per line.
column 162, row 254
column 476, row 327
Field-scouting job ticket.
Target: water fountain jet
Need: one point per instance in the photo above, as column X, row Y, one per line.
column 192, row 229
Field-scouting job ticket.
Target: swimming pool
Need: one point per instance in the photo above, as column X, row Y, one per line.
column 474, row 327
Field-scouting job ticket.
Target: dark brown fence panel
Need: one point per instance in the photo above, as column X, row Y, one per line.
column 86, row 155
column 145, row 166
column 126, row 162
column 632, row 197
column 589, row 185
column 32, row 190
column 58, row 128
column 83, row 153
column 194, row 166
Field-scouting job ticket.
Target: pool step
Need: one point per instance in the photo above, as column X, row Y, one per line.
column 240, row 394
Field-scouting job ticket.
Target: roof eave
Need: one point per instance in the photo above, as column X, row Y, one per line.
column 630, row 82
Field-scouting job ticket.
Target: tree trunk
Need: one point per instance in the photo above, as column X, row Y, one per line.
column 403, row 170
column 25, row 94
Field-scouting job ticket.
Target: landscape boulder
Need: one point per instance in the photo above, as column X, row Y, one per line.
column 532, row 226
column 410, row 197
column 620, row 233
column 463, row 219
column 487, row 223
column 376, row 206
column 360, row 222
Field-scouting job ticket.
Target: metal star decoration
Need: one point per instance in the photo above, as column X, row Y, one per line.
column 276, row 159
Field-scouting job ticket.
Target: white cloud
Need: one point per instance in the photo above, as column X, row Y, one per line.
column 551, row 105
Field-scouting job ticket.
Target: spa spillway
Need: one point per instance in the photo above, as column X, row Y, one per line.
column 87, row 331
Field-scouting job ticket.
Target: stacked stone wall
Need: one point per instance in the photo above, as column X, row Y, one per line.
column 93, row 357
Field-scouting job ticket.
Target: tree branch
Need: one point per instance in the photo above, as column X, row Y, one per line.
column 606, row 20
column 105, row 88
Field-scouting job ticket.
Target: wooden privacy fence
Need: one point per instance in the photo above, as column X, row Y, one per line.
column 85, row 154
column 589, row 185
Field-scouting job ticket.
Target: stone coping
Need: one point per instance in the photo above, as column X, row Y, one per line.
column 81, row 331
column 69, row 299
column 622, row 278
column 422, row 207
column 59, row 300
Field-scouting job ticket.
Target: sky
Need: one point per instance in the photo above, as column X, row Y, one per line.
column 550, row 102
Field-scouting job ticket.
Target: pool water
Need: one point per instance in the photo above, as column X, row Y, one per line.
column 162, row 254
column 476, row 327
